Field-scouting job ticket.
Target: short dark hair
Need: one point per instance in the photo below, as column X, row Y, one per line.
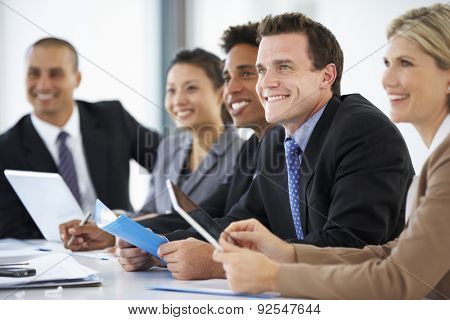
column 241, row 34
column 322, row 44
column 209, row 63
column 56, row 42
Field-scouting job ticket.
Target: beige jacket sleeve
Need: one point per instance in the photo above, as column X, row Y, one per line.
column 416, row 263
column 314, row 255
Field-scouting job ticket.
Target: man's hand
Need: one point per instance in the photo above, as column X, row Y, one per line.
column 251, row 234
column 246, row 270
column 132, row 258
column 190, row 259
column 87, row 237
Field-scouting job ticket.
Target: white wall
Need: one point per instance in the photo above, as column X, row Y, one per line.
column 118, row 42
column 360, row 29
column 359, row 26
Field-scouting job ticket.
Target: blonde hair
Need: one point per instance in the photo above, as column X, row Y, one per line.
column 429, row 27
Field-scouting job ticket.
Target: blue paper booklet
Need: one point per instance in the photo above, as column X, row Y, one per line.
column 128, row 230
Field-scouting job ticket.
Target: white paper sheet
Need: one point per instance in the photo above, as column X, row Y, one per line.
column 51, row 267
column 213, row 286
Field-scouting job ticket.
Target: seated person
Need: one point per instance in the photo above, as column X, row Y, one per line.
column 416, row 264
column 89, row 144
column 336, row 176
column 199, row 157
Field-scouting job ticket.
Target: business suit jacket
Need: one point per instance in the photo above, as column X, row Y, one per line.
column 111, row 137
column 413, row 266
column 172, row 155
column 221, row 200
column 355, row 173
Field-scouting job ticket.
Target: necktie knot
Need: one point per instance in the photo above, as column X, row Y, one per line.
column 62, row 137
column 292, row 148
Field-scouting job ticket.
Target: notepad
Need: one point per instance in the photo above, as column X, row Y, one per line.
column 128, row 230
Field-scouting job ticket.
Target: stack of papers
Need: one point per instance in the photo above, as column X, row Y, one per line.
column 54, row 269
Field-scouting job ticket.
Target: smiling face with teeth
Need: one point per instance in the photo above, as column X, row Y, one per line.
column 289, row 88
column 240, row 95
column 50, row 81
column 417, row 88
column 191, row 97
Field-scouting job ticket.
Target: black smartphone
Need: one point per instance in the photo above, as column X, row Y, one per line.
column 17, row 272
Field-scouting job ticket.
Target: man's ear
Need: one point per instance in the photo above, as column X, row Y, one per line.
column 329, row 76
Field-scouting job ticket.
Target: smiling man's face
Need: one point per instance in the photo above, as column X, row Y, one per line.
column 240, row 95
column 288, row 86
column 51, row 80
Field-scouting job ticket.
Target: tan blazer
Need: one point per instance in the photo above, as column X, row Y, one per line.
column 413, row 266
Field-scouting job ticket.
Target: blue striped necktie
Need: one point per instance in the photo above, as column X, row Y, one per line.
column 67, row 166
column 293, row 152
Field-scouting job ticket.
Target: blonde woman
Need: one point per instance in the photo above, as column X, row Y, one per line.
column 417, row 263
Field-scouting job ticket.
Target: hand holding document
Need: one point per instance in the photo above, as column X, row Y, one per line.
column 128, row 230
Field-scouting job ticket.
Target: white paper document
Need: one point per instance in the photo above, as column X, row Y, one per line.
column 47, row 199
column 13, row 250
column 54, row 269
column 213, row 286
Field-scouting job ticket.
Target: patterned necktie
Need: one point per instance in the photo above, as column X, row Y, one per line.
column 67, row 166
column 293, row 152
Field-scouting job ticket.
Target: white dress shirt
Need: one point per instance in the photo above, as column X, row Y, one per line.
column 49, row 134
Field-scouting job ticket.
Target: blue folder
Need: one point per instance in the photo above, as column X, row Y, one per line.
column 132, row 232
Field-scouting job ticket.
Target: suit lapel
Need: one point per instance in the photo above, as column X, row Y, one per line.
column 311, row 154
column 95, row 145
column 36, row 152
column 210, row 161
column 198, row 175
column 179, row 157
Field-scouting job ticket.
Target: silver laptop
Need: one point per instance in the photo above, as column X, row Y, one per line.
column 47, row 199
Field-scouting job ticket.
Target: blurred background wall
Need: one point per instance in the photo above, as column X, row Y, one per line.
column 125, row 46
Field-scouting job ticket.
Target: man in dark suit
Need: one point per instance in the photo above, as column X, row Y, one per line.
column 98, row 140
column 336, row 172
column 350, row 184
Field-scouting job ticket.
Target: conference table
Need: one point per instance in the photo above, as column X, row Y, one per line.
column 116, row 284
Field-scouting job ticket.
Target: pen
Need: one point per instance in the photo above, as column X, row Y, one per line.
column 82, row 223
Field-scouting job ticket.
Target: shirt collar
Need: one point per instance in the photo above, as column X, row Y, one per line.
column 50, row 132
column 441, row 134
column 303, row 133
